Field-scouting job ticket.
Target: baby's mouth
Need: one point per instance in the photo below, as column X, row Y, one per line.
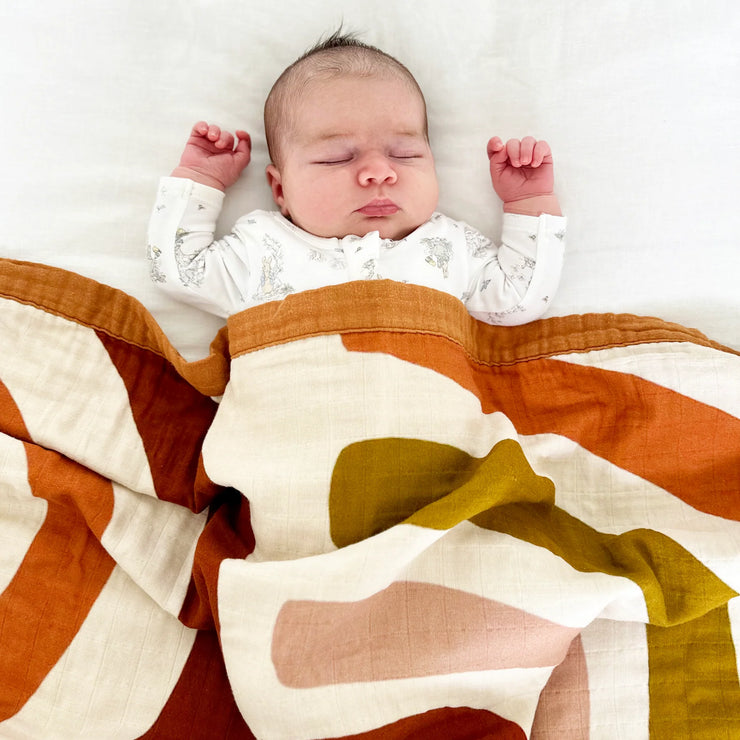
column 379, row 207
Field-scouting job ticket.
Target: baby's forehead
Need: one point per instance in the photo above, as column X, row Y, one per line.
column 316, row 81
column 326, row 104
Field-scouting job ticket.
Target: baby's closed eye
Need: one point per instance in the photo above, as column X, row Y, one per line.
column 333, row 160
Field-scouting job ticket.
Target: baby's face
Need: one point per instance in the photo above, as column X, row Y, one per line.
column 356, row 160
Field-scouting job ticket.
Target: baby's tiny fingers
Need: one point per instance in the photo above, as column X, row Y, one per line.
column 526, row 148
column 495, row 145
column 243, row 141
column 513, row 151
column 219, row 138
column 541, row 151
column 200, row 129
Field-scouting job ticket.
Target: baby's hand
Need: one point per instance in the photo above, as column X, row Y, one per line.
column 520, row 169
column 211, row 158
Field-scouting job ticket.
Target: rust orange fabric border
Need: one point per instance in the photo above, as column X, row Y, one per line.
column 383, row 305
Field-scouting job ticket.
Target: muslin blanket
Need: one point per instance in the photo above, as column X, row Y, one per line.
column 395, row 521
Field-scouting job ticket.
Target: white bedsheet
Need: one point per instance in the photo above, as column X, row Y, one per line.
column 639, row 100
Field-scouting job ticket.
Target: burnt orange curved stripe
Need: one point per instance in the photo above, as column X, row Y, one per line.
column 172, row 419
column 202, row 703
column 684, row 446
column 227, row 534
column 446, row 723
column 11, row 419
column 77, row 489
column 61, row 575
column 58, row 479
column 407, row 630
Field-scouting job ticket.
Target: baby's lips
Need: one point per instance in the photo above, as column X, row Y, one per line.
column 379, row 207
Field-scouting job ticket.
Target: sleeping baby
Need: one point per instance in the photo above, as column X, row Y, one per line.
column 352, row 174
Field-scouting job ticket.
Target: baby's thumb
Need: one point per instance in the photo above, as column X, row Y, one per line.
column 496, row 150
column 243, row 146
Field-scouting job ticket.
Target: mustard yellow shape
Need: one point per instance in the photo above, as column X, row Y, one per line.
column 694, row 689
column 378, row 483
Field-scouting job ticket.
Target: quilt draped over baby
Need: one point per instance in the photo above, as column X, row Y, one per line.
column 398, row 521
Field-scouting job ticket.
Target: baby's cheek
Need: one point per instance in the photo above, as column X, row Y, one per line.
column 318, row 212
column 323, row 204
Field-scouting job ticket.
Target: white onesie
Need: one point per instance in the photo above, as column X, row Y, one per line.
column 266, row 258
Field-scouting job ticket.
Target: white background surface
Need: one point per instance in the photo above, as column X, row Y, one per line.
column 640, row 102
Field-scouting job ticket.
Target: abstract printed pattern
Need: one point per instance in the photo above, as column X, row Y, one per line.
column 399, row 522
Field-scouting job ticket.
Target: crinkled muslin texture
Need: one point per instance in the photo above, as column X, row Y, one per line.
column 397, row 522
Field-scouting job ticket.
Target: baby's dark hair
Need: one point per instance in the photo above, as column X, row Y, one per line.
column 340, row 40
column 336, row 55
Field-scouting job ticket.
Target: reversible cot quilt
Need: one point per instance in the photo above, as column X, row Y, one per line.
column 363, row 515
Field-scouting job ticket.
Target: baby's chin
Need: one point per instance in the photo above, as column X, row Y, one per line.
column 387, row 228
column 394, row 232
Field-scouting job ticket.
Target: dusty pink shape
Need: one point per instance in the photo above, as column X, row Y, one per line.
column 410, row 629
column 564, row 709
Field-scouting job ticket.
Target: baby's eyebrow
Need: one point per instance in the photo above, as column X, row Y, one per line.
column 329, row 137
column 409, row 134
column 340, row 135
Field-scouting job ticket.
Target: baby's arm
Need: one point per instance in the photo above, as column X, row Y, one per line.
column 516, row 284
column 522, row 176
column 185, row 261
column 210, row 157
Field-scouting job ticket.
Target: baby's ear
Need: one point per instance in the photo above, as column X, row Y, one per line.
column 274, row 180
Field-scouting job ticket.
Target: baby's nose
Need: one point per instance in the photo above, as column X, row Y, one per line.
column 376, row 168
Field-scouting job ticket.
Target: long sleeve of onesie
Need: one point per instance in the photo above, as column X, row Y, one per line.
column 517, row 284
column 266, row 257
column 184, row 259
